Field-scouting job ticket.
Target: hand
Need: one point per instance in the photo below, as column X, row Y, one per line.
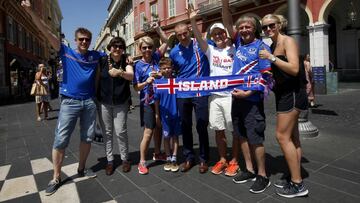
column 130, row 60
column 237, row 93
column 264, row 54
column 150, row 80
column 26, row 3
column 113, row 72
column 191, row 12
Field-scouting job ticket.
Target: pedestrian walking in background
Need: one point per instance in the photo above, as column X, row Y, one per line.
column 114, row 95
column 42, row 101
column 310, row 81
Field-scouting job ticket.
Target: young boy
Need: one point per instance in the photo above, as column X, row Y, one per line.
column 166, row 114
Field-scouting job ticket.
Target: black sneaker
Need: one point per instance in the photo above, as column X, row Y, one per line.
column 52, row 187
column 293, row 190
column 260, row 184
column 86, row 173
column 244, row 177
column 282, row 182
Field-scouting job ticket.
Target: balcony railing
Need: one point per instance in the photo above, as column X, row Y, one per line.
column 214, row 5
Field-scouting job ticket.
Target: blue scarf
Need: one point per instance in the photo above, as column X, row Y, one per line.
column 185, row 86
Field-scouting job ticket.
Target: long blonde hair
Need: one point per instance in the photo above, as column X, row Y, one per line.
column 279, row 19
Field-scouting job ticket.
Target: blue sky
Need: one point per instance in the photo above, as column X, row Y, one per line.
column 90, row 14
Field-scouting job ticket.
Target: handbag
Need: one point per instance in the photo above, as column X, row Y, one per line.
column 38, row 90
column 33, row 89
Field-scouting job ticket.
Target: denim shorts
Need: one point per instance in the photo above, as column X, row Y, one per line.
column 70, row 110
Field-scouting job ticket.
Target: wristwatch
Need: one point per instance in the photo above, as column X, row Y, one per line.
column 272, row 59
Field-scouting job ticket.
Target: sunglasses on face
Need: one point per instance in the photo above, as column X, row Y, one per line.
column 270, row 26
column 118, row 46
column 81, row 39
column 146, row 47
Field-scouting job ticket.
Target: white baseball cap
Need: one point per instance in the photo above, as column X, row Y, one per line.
column 216, row 25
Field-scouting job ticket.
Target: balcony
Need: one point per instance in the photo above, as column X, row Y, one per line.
column 214, row 6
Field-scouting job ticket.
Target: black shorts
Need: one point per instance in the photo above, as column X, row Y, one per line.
column 147, row 116
column 249, row 120
column 287, row 101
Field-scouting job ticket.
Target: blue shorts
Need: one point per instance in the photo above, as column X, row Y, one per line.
column 70, row 110
column 170, row 126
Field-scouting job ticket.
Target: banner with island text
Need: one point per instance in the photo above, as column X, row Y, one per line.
column 206, row 85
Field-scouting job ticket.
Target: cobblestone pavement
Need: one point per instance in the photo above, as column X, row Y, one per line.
column 331, row 161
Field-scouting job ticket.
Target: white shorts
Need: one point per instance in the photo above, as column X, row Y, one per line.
column 220, row 112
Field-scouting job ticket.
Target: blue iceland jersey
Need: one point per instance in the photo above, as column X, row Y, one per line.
column 168, row 107
column 247, row 61
column 190, row 62
column 169, row 114
column 142, row 72
column 79, row 71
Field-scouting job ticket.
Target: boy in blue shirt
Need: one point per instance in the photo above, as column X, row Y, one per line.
column 167, row 116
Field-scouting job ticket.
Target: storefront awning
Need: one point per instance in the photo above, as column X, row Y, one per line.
column 24, row 63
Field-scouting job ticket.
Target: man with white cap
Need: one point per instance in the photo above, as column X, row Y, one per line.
column 221, row 63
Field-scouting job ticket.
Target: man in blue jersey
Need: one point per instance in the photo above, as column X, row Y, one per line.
column 248, row 106
column 77, row 92
column 190, row 62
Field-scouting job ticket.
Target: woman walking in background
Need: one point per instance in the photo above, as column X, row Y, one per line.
column 42, row 101
column 310, row 81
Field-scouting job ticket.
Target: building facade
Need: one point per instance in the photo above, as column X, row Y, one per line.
column 120, row 23
column 22, row 46
column 330, row 29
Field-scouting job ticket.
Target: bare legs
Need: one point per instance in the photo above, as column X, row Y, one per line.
column 287, row 134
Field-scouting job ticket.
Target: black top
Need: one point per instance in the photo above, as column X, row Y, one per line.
column 113, row 91
column 285, row 82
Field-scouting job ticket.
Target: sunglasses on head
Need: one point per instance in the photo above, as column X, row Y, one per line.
column 146, row 47
column 270, row 26
column 120, row 46
column 81, row 39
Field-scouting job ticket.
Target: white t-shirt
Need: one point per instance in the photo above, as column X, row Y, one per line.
column 221, row 63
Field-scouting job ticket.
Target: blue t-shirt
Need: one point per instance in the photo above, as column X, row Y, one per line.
column 142, row 72
column 247, row 61
column 190, row 62
column 78, row 80
column 168, row 106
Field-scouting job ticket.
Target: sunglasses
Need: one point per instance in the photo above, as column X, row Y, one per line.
column 116, row 46
column 270, row 26
column 146, row 47
column 81, row 39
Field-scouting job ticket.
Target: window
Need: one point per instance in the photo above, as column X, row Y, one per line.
column 15, row 33
column 10, row 30
column 172, row 11
column 20, row 39
column 193, row 2
column 142, row 20
column 153, row 11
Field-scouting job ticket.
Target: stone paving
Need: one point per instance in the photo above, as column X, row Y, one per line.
column 330, row 165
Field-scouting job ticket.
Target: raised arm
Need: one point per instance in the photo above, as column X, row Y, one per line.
column 53, row 39
column 227, row 18
column 163, row 37
column 192, row 16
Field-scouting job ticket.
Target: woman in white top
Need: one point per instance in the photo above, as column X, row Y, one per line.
column 42, row 101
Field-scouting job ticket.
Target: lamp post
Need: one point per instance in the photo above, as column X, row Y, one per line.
column 306, row 128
